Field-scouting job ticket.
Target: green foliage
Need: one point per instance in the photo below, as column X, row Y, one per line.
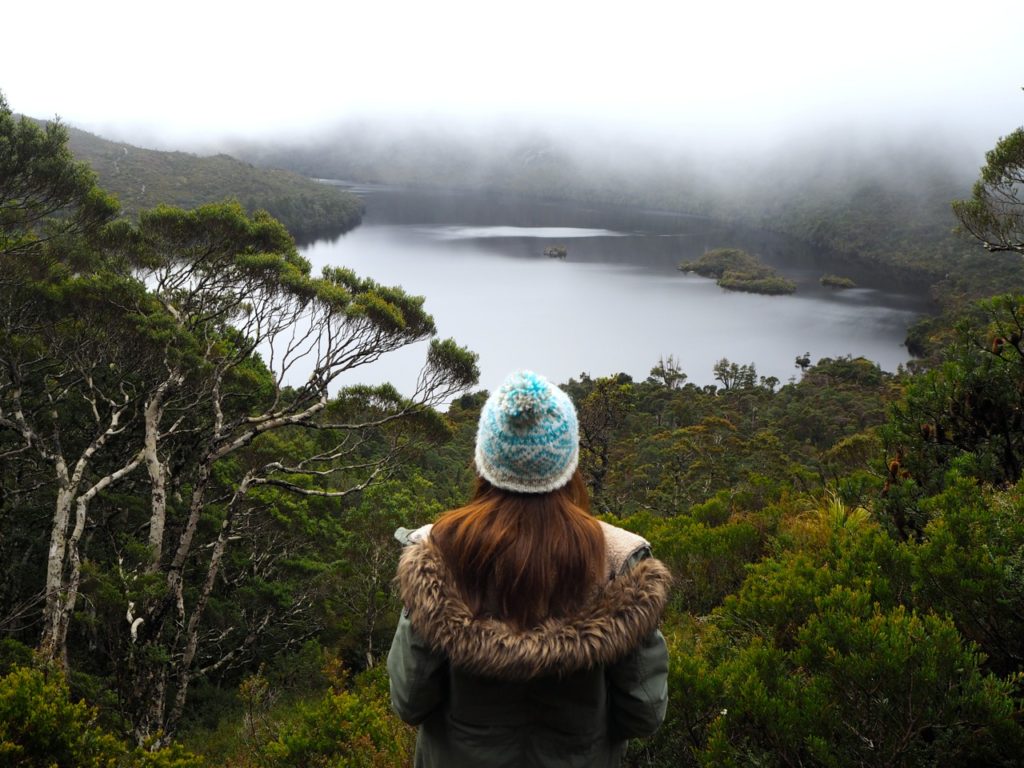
column 862, row 686
column 968, row 413
column 835, row 399
column 602, row 405
column 217, row 236
column 674, row 447
column 44, row 193
column 669, row 373
column 41, row 726
column 716, row 262
column 14, row 654
column 756, row 282
column 345, row 729
column 177, row 503
column 828, row 547
column 735, row 376
column 849, row 457
column 350, row 725
column 360, row 610
column 837, row 281
column 448, row 359
column 994, row 214
column 685, row 465
column 970, row 566
column 737, row 270
column 816, row 660
column 707, row 562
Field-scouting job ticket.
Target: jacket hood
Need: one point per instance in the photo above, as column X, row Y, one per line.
column 606, row 628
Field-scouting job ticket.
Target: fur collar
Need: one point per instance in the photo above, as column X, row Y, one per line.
column 610, row 625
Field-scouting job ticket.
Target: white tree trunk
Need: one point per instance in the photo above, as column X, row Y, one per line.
column 62, row 562
column 53, row 608
column 157, row 470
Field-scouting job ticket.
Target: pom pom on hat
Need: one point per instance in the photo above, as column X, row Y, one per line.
column 528, row 436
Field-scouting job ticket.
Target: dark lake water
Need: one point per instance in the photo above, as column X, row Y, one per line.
column 617, row 302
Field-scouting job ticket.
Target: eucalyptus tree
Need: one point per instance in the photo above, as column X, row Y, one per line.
column 994, row 214
column 40, row 179
column 668, row 373
column 251, row 344
column 157, row 382
column 52, row 214
column 735, row 376
column 603, row 405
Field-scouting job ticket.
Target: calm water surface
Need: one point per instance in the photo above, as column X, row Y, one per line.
column 617, row 303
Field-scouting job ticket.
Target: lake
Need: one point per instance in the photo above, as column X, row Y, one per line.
column 617, row 303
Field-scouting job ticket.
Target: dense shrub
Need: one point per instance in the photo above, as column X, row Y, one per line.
column 41, row 726
column 970, row 566
column 349, row 727
column 707, row 563
column 819, row 660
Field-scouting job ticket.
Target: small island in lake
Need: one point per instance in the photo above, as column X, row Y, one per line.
column 737, row 270
column 837, row 281
column 556, row 251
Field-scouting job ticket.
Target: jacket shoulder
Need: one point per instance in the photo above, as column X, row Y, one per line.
column 407, row 536
column 623, row 549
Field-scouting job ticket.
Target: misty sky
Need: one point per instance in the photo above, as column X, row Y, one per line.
column 188, row 72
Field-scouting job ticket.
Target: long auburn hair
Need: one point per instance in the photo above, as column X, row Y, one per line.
column 523, row 557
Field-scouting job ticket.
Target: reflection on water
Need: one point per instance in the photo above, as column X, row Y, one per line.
column 483, row 233
column 617, row 303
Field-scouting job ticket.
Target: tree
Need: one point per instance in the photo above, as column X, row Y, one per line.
column 834, row 399
column 231, row 301
column 969, row 410
column 52, row 214
column 39, row 179
column 668, row 373
column 735, row 376
column 365, row 558
column 602, row 409
column 691, row 463
column 994, row 214
column 193, row 362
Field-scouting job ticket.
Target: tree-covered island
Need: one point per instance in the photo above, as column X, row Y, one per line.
column 736, row 270
column 837, row 281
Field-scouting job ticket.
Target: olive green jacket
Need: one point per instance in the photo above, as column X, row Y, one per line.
column 569, row 693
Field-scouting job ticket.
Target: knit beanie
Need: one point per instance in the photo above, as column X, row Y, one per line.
column 528, row 438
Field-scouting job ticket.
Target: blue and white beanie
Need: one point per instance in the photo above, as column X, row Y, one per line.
column 528, row 439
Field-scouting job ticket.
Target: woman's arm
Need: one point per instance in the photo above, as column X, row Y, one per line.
column 418, row 675
column 639, row 682
column 638, row 687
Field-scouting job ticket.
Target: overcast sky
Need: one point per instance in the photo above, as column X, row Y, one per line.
column 188, row 71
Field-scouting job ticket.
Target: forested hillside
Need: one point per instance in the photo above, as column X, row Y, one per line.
column 197, row 544
column 144, row 178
